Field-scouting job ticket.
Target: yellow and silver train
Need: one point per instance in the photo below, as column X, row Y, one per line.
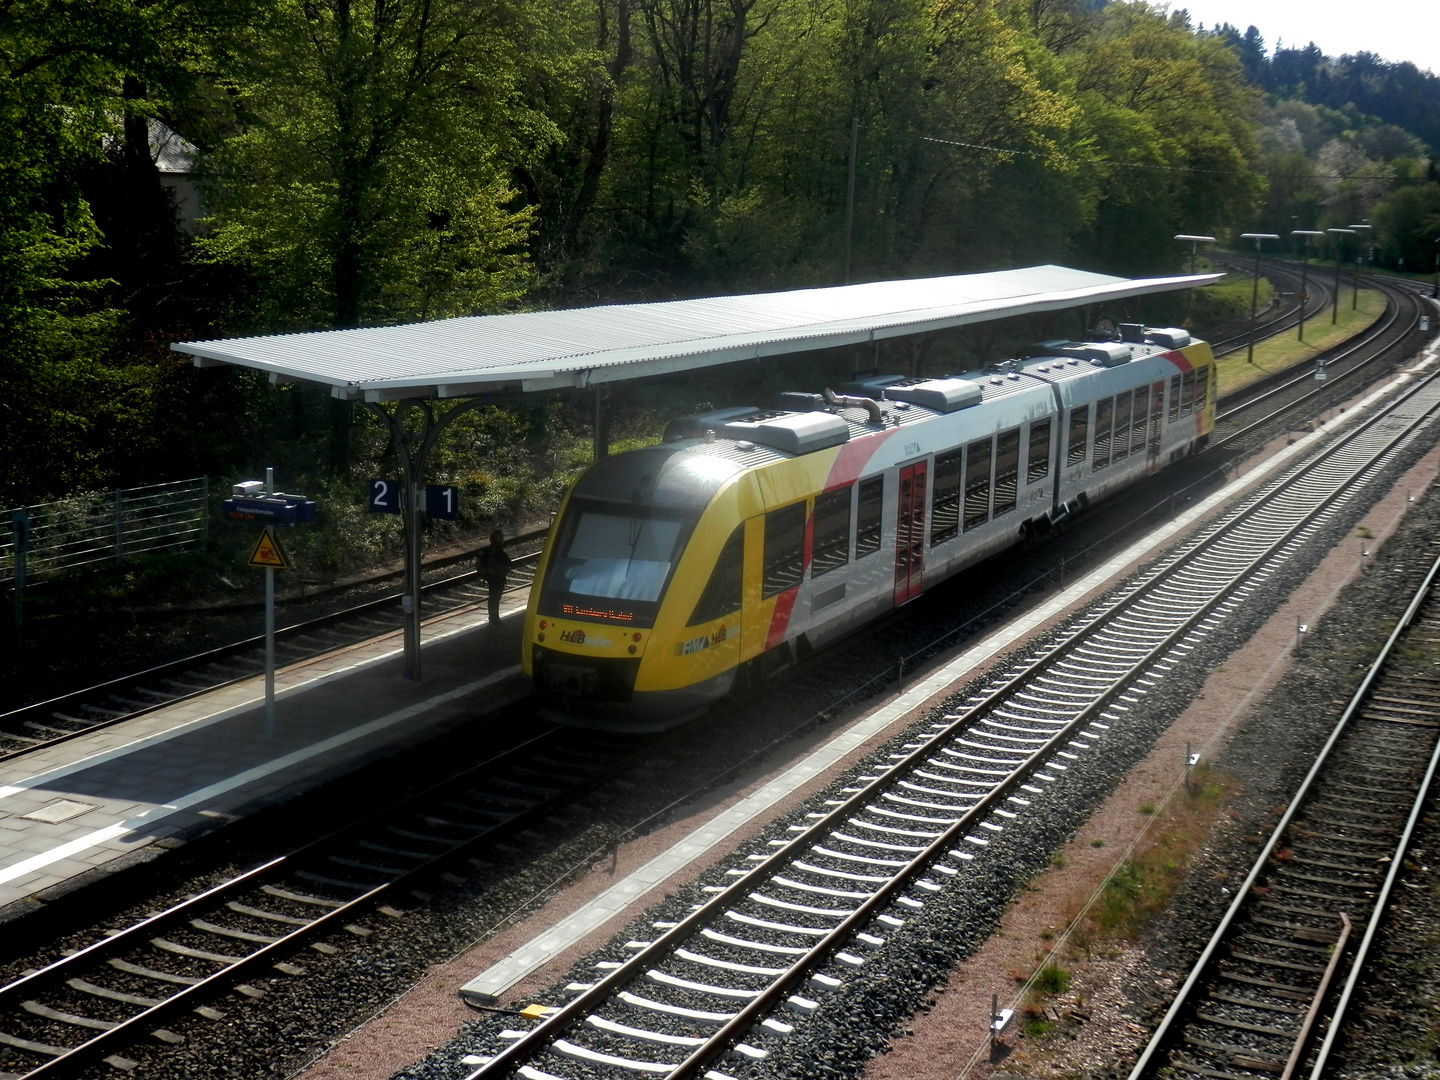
column 750, row 537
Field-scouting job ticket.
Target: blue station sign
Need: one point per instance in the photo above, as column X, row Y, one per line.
column 277, row 509
column 442, row 501
column 383, row 497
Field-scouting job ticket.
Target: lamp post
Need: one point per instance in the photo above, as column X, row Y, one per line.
column 1305, row 272
column 1364, row 229
column 1339, row 250
column 1195, row 242
column 1436, row 293
column 1259, row 238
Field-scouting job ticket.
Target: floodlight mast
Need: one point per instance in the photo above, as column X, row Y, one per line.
column 1195, row 242
column 1259, row 238
column 1339, row 249
column 1364, row 229
column 1305, row 272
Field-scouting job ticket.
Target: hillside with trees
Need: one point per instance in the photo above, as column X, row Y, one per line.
column 362, row 162
column 1347, row 140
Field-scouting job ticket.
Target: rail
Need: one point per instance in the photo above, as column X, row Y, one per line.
column 1170, row 1026
column 510, row 799
column 99, row 700
column 1021, row 726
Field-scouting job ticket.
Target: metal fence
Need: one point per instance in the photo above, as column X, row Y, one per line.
column 99, row 527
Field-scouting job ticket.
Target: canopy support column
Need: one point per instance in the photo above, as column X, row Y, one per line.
column 600, row 424
column 414, row 443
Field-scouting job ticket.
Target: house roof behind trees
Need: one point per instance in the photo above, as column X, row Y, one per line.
column 580, row 347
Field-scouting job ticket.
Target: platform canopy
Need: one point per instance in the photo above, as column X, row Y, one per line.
column 584, row 347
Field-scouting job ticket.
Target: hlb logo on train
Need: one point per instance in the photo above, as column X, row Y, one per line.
column 705, row 641
column 577, row 637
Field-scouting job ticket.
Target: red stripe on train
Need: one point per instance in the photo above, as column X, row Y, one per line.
column 853, row 457
column 781, row 618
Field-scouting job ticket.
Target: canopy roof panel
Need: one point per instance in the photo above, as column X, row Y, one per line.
column 546, row 350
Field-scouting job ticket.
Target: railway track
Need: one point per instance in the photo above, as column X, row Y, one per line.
column 47, row 723
column 1276, row 324
column 1270, row 992
column 123, row 989
column 1346, row 366
column 37, row 1027
column 712, row 991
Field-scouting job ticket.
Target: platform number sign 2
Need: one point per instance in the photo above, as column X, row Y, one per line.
column 383, row 497
column 441, row 501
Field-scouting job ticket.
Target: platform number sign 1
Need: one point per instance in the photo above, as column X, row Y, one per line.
column 442, row 501
column 383, row 497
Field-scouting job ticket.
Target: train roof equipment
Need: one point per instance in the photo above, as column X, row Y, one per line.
column 803, row 422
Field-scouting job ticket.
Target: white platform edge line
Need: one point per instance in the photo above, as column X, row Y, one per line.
column 43, row 779
column 230, row 783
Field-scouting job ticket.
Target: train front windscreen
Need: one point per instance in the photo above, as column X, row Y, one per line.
column 611, row 563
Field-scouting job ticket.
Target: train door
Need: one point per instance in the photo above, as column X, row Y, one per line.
column 910, row 532
column 1157, row 414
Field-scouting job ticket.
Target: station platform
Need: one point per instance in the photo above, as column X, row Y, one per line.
column 78, row 810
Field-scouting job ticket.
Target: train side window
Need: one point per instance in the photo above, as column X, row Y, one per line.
column 945, row 510
column 1007, row 470
column 1137, row 420
column 867, row 526
column 1104, row 414
column 1120, row 444
column 978, row 457
column 830, row 548
column 1187, row 393
column 784, row 549
column 723, row 594
column 1174, row 398
column 1202, row 385
column 1037, row 457
column 1079, row 435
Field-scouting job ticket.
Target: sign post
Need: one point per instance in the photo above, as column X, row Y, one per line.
column 412, row 499
column 255, row 500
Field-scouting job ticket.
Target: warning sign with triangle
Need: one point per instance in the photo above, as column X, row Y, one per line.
column 268, row 553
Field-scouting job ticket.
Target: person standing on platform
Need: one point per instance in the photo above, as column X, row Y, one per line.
column 493, row 564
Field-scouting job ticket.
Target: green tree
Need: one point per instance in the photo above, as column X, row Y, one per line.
column 369, row 179
column 1407, row 224
column 88, row 246
column 1174, row 119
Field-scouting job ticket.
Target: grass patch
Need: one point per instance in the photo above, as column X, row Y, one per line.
column 1037, row 1025
column 1227, row 300
column 1285, row 350
column 1052, row 979
column 1144, row 884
